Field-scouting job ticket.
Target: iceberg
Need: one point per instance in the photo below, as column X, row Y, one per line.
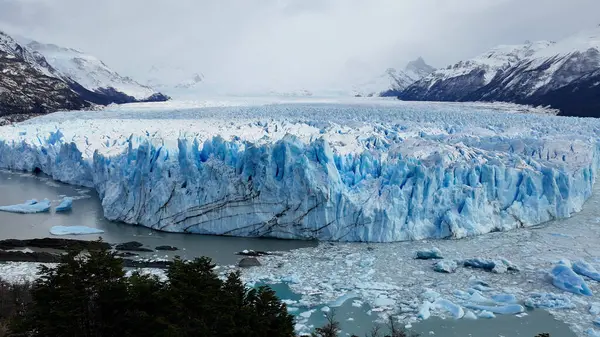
column 28, row 207
column 583, row 268
column 455, row 310
column 74, row 230
column 445, row 266
column 548, row 301
column 505, row 298
column 509, row 309
column 342, row 171
column 429, row 254
column 563, row 277
column 486, row 314
column 65, row 205
column 494, row 266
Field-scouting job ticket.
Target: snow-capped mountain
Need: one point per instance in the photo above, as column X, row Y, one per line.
column 544, row 73
column 87, row 71
column 168, row 78
column 29, row 85
column 398, row 80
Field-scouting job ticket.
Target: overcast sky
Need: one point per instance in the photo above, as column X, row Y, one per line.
column 289, row 43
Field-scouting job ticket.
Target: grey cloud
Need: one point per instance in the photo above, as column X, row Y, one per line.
column 289, row 43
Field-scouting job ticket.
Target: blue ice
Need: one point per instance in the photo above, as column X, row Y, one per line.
column 65, row 205
column 505, row 298
column 455, row 310
column 510, row 309
column 445, row 266
column 583, row 268
column 563, row 277
column 548, row 301
column 74, row 230
column 28, row 207
column 429, row 254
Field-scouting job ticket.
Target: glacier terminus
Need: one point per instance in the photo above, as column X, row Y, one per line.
column 372, row 170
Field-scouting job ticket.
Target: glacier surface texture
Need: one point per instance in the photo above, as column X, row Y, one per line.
column 356, row 170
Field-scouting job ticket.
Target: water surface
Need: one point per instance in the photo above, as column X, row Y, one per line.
column 87, row 211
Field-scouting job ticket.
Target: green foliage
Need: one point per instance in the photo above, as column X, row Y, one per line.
column 89, row 296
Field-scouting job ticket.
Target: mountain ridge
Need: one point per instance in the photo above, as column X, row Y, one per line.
column 540, row 73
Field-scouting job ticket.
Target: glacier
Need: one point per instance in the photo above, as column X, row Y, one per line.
column 357, row 170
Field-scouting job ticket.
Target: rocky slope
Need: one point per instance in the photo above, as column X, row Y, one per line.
column 91, row 78
column 29, row 85
column 561, row 74
column 393, row 80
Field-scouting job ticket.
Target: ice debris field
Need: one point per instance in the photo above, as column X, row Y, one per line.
column 365, row 170
column 377, row 171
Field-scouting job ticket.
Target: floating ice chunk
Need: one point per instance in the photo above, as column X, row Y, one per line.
column 486, row 314
column 548, row 301
column 597, row 321
column 383, row 301
column 563, row 277
column 470, row 315
column 494, row 266
column 477, row 297
column 592, row 333
column 505, row 298
column 445, row 266
column 595, row 308
column 307, row 314
column 433, row 253
column 430, row 295
column 290, row 279
column 583, row 268
column 28, row 207
column 481, row 287
column 325, row 309
column 424, row 310
column 65, row 205
column 74, row 230
column 509, row 265
column 510, row 309
column 478, row 263
column 342, row 299
column 454, row 309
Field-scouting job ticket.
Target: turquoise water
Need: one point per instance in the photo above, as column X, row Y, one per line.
column 359, row 321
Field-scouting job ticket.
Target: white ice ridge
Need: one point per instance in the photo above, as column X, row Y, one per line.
column 365, row 170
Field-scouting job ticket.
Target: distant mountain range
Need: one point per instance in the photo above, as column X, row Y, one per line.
column 37, row 78
column 394, row 80
column 564, row 75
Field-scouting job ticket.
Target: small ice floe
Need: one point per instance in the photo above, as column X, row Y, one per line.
column 548, row 301
column 585, row 269
column 74, row 230
column 430, row 254
column 445, row 266
column 65, row 205
column 563, row 277
column 28, row 207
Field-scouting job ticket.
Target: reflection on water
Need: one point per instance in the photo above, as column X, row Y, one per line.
column 87, row 211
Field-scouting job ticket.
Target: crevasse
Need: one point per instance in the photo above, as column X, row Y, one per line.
column 294, row 188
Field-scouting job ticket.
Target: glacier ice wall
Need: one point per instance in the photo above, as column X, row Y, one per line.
column 397, row 182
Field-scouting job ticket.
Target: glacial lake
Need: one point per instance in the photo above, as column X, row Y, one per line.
column 87, row 211
column 15, row 188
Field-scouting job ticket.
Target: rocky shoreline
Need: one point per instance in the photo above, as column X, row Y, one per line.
column 13, row 250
